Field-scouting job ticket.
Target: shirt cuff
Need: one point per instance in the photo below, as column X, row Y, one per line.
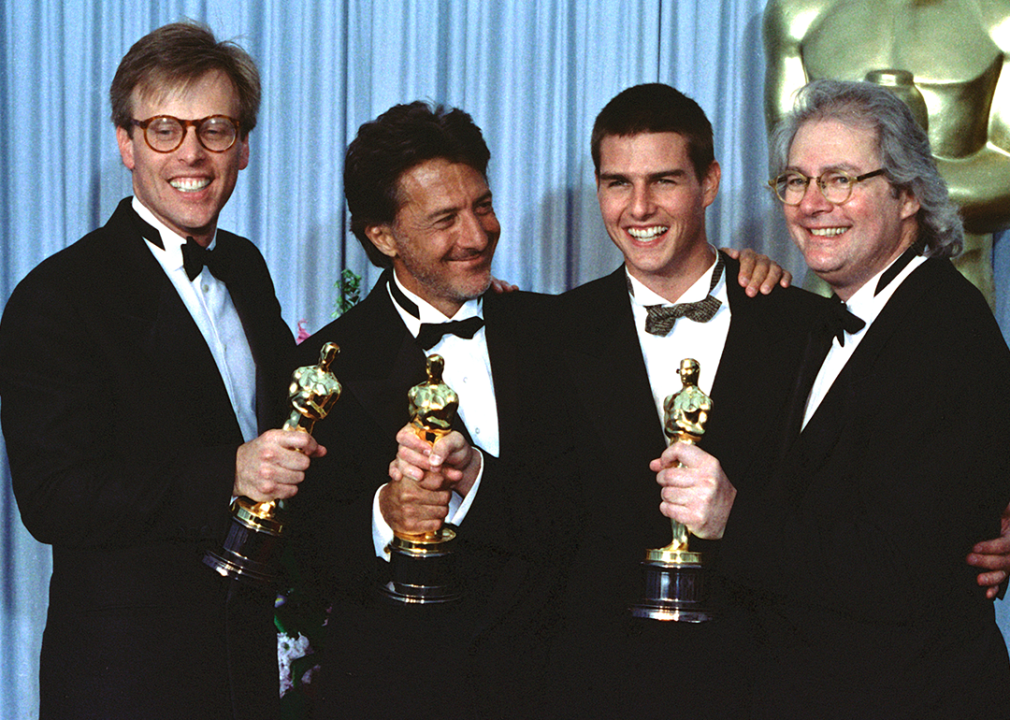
column 459, row 506
column 382, row 534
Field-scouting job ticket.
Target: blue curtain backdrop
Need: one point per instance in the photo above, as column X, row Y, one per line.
column 533, row 75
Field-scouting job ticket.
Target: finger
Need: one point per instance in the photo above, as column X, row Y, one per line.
column 435, row 481
column 410, row 471
column 413, row 457
column 683, row 453
column 991, row 579
column 989, row 561
column 446, row 446
column 772, row 279
column 407, row 437
column 996, row 546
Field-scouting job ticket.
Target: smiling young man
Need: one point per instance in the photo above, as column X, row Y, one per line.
column 624, row 337
column 167, row 360
column 857, row 540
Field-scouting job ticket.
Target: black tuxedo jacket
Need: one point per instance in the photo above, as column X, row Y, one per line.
column 859, row 538
column 615, row 664
column 454, row 660
column 122, row 441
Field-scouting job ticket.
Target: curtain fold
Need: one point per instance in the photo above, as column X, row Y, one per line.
column 532, row 73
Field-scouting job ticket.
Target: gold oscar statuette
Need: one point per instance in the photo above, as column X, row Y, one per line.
column 252, row 547
column 674, row 575
column 421, row 565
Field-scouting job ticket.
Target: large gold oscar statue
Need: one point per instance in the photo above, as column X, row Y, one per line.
column 946, row 57
column 422, row 565
column 674, row 575
column 251, row 551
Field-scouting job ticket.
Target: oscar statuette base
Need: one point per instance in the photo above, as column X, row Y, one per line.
column 675, row 588
column 422, row 569
column 252, row 545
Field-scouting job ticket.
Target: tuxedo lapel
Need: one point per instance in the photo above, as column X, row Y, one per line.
column 156, row 321
column 746, row 405
column 502, row 337
column 844, row 402
column 386, row 362
column 248, row 297
column 604, row 361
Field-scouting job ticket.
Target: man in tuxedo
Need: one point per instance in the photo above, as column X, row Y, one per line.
column 416, row 187
column 856, row 541
column 623, row 338
column 137, row 367
column 415, row 180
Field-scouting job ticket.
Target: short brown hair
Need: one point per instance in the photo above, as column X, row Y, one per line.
column 177, row 55
column 656, row 108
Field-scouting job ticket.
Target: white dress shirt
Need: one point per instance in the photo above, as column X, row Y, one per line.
column 468, row 372
column 208, row 302
column 688, row 339
column 866, row 306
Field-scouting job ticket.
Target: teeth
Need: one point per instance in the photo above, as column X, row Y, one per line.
column 827, row 232
column 189, row 184
column 647, row 233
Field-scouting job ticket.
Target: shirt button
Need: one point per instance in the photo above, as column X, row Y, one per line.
column 477, row 431
column 206, row 288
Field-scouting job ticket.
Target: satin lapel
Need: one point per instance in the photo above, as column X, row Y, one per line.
column 268, row 337
column 502, row 339
column 608, row 372
column 752, row 384
column 386, row 361
column 840, row 407
column 156, row 319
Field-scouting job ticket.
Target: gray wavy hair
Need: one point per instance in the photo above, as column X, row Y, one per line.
column 902, row 145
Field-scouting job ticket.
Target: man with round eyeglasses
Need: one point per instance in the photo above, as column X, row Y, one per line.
column 856, row 542
column 165, row 133
column 835, row 185
column 165, row 336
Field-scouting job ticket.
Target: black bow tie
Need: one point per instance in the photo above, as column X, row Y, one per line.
column 431, row 333
column 662, row 317
column 843, row 321
column 195, row 257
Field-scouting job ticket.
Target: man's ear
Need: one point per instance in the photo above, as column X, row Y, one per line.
column 710, row 183
column 125, row 143
column 383, row 239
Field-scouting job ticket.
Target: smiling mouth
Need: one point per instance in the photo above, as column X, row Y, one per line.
column 647, row 233
column 189, row 184
column 827, row 232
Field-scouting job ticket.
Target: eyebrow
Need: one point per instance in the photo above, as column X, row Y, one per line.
column 843, row 167
column 450, row 209
column 674, row 172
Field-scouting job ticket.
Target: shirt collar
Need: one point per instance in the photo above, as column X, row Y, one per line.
column 427, row 313
column 172, row 240
column 867, row 306
column 643, row 296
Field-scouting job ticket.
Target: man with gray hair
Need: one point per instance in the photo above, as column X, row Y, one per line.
column 856, row 542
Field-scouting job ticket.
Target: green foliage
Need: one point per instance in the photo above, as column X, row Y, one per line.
column 348, row 291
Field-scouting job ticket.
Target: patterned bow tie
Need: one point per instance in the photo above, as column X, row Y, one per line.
column 195, row 257
column 662, row 317
column 431, row 333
